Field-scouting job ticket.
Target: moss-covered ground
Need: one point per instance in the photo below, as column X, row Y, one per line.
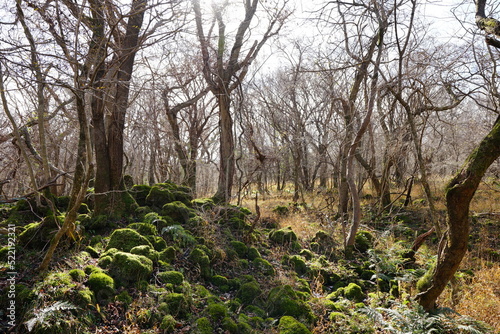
column 184, row 265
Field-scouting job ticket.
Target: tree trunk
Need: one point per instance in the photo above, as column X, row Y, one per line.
column 459, row 193
column 226, row 150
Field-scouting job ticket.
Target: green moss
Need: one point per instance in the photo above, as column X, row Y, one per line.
column 354, row 292
column 203, row 326
column 289, row 325
column 298, row 263
column 283, row 300
column 240, row 248
column 92, row 251
column 146, row 251
column 129, row 268
column 84, row 297
column 221, row 282
column 140, row 193
column 102, row 285
column 168, row 254
column 158, row 196
column 263, row 266
column 307, row 254
column 229, row 325
column 253, row 253
column 217, row 311
column 178, row 304
column 425, row 281
column 168, row 324
column 77, row 275
column 92, row 269
column 363, row 241
column 203, row 203
column 159, row 244
column 199, row 257
column 37, row 235
column 281, row 210
column 105, row 261
column 178, row 235
column 125, row 239
column 283, row 236
column 172, row 277
column 178, row 211
column 144, row 229
column 336, row 316
column 124, row 298
column 249, row 292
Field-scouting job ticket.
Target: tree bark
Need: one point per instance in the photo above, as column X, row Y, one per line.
column 459, row 193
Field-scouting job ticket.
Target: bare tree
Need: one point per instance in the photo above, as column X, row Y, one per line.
column 224, row 75
column 461, row 189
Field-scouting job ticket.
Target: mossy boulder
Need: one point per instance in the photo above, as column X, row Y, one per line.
column 140, row 193
column 178, row 304
column 125, row 239
column 168, row 254
column 168, row 324
column 283, row 300
column 253, row 253
column 37, row 235
column 298, row 263
column 102, row 285
column 178, row 211
column 283, row 236
column 199, row 257
column 203, row 203
column 354, row 292
column 203, row 326
column 158, row 196
column 77, row 275
column 249, row 292
column 289, row 325
column 159, row 244
column 324, row 241
column 240, row 248
column 146, row 251
column 263, row 266
column 363, row 241
column 217, row 311
column 84, row 297
column 221, row 282
column 171, row 277
column 144, row 229
column 129, row 268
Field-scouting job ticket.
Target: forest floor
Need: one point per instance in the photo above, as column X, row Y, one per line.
column 179, row 265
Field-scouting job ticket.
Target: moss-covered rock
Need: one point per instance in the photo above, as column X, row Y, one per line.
column 102, row 285
column 289, row 325
column 92, row 269
column 324, row 241
column 179, row 235
column 354, row 292
column 253, row 253
column 168, row 324
column 159, row 244
column 298, row 263
column 249, row 292
column 171, row 277
column 158, row 196
column 203, row 326
column 129, row 268
column 125, row 239
column 199, row 257
column 144, row 229
column 283, row 236
column 146, row 251
column 178, row 304
column 263, row 266
column 124, row 298
column 217, row 311
column 178, row 211
column 229, row 325
column 364, row 241
column 283, row 300
column 203, row 203
column 240, row 248
column 84, row 297
column 37, row 235
column 77, row 275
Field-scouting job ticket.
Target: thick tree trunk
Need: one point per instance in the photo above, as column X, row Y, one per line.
column 226, row 150
column 459, row 193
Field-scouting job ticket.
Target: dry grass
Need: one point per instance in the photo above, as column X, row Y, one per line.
column 481, row 299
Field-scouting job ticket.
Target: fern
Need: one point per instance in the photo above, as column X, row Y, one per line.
column 41, row 316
